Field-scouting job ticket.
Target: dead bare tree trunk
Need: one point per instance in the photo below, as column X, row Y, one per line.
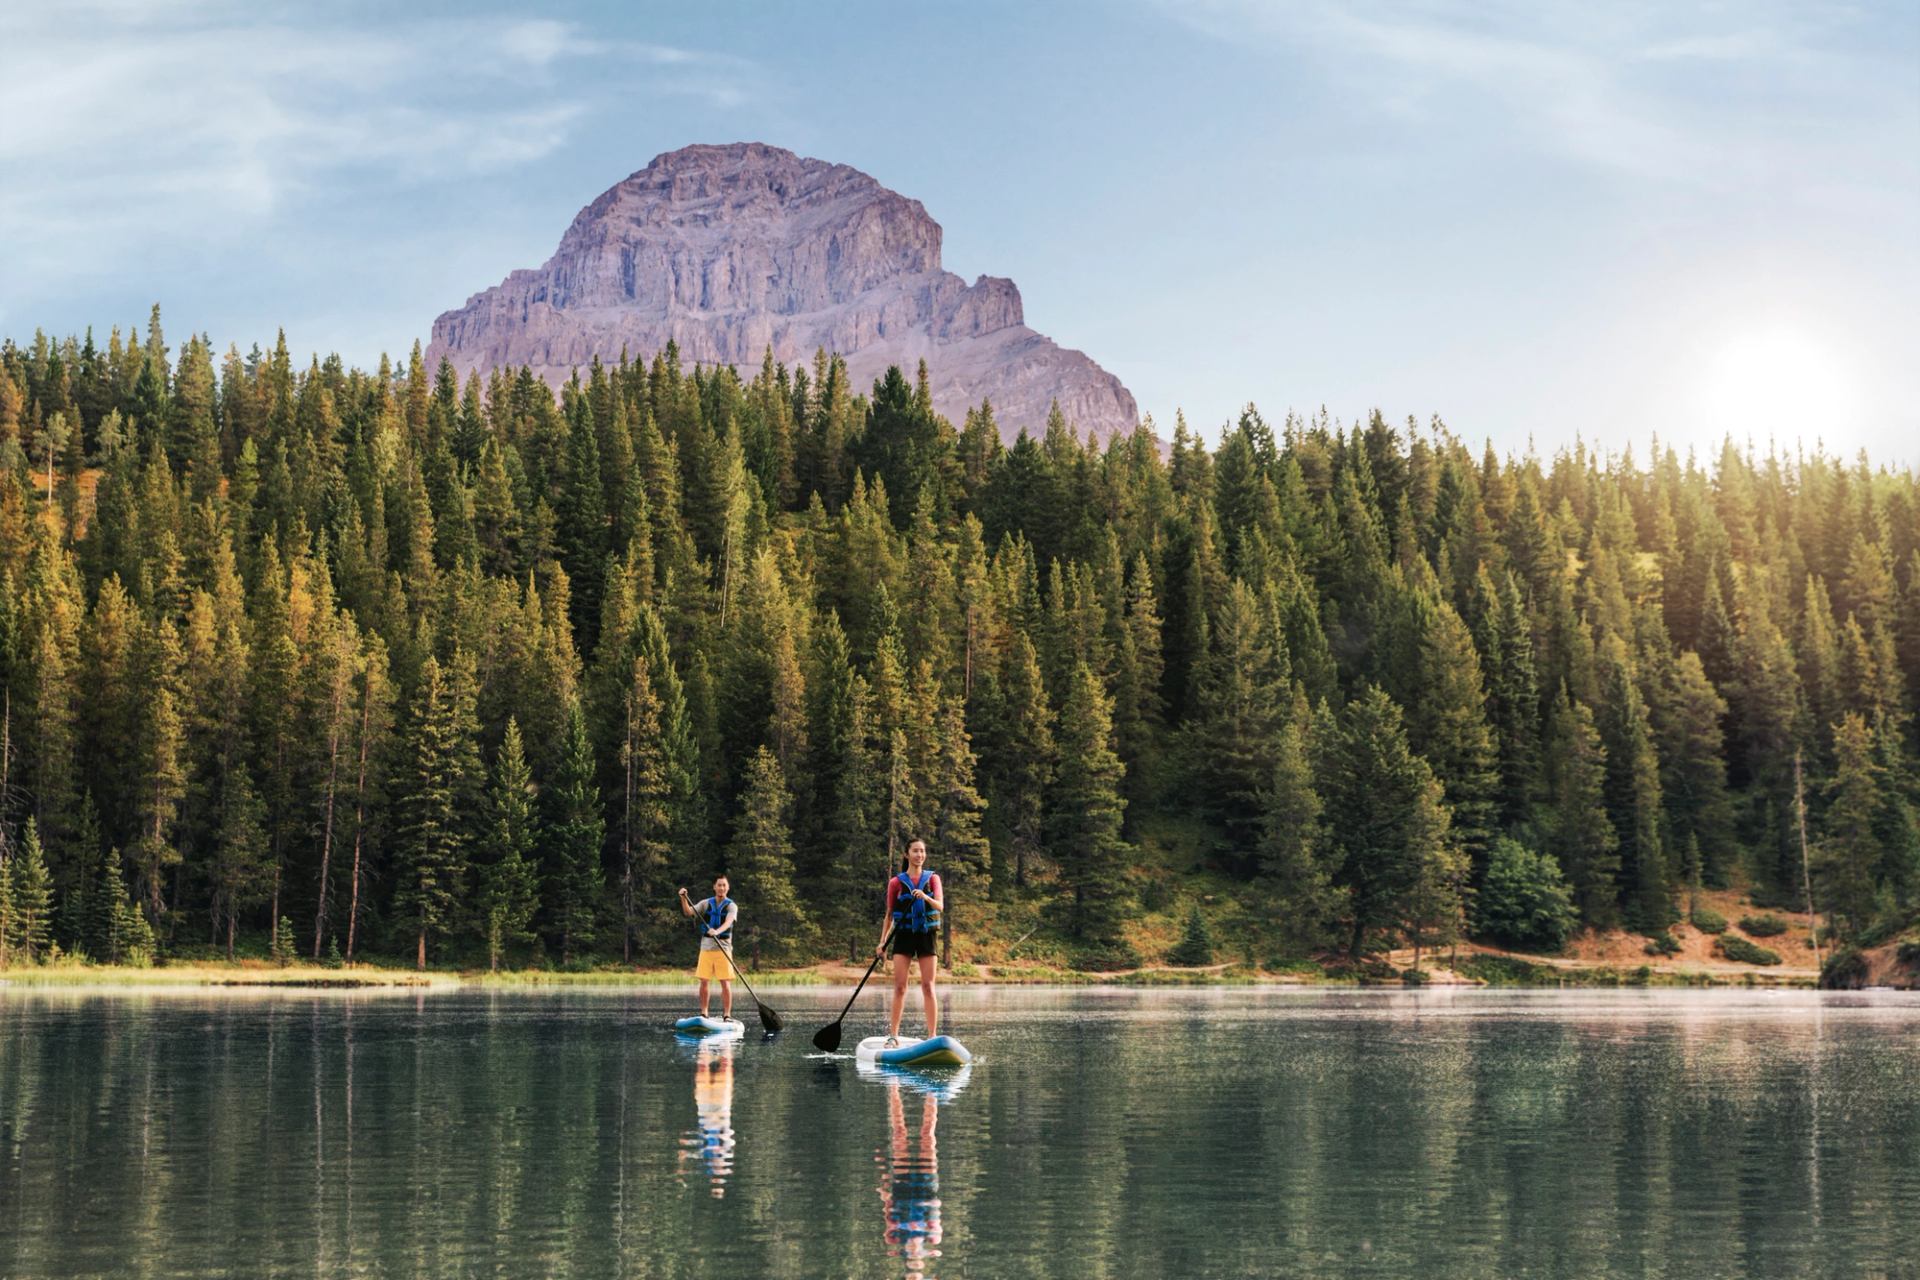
column 626, row 840
column 359, row 809
column 1806, row 872
column 326, row 831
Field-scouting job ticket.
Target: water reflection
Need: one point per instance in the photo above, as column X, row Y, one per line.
column 1218, row 1133
column 943, row 1085
column 711, row 1141
column 910, row 1183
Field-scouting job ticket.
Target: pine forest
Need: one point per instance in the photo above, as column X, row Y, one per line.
column 380, row 665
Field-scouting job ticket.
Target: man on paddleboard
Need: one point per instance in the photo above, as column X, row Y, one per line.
column 716, row 916
column 913, row 922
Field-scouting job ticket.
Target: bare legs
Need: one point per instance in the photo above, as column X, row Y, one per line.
column 726, row 997
column 900, row 969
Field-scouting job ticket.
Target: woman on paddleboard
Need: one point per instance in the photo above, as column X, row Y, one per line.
column 913, row 922
column 716, row 916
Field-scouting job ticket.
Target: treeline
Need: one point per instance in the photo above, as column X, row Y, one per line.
column 384, row 662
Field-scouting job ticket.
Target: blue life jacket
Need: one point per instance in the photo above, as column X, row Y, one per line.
column 717, row 916
column 909, row 912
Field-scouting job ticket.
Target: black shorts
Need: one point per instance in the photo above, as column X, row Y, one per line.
column 908, row 942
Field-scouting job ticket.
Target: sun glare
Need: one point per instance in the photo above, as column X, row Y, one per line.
column 1777, row 383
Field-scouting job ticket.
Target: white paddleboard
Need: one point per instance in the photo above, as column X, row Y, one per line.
column 697, row 1026
column 936, row 1051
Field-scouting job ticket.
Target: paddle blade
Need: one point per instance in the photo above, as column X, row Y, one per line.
column 827, row 1038
column 769, row 1019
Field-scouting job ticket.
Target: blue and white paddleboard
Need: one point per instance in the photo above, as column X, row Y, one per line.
column 710, row 1026
column 938, row 1051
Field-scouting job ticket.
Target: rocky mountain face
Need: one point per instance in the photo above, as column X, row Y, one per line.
column 727, row 250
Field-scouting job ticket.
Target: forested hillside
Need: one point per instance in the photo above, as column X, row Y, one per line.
column 462, row 673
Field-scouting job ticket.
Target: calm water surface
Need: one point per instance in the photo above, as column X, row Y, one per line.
column 1100, row 1133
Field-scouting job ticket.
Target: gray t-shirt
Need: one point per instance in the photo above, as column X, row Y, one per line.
column 707, row 941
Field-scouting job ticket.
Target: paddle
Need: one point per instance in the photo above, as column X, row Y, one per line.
column 827, row 1038
column 768, row 1018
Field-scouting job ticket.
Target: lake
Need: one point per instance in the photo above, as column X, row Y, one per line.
column 1100, row 1132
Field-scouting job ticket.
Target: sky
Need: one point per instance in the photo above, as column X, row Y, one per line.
column 1540, row 221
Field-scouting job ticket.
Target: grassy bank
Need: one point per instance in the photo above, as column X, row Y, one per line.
column 1470, row 967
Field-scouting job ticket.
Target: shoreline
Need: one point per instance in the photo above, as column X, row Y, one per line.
column 1481, row 968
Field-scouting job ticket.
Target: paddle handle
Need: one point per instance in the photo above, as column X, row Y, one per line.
column 856, row 991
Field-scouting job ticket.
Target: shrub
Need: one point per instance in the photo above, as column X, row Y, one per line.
column 1525, row 901
column 1766, row 926
column 1738, row 949
column 1888, row 925
column 1846, row 971
column 1908, row 953
column 1156, row 894
column 1662, row 944
column 1109, row 959
column 1415, row 977
column 1780, row 898
column 1707, row 920
column 1502, row 971
column 1374, row 969
column 1196, row 946
column 1309, row 967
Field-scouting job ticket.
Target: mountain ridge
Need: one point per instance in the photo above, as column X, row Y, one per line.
column 728, row 250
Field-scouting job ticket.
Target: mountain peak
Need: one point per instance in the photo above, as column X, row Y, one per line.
column 728, row 249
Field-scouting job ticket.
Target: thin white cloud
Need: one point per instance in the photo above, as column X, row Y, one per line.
column 123, row 132
column 1634, row 88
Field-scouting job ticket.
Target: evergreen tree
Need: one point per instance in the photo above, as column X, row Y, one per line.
column 957, row 809
column 1381, row 815
column 1447, row 725
column 32, row 896
column 1140, row 668
column 1580, row 833
column 1848, row 854
column 841, row 816
column 509, row 868
column 575, row 830
column 646, row 822
column 1195, row 948
column 1087, row 815
column 1633, row 798
column 282, row 949
column 1298, row 897
column 163, row 772
column 118, row 932
column 1686, row 712
column 436, row 807
column 1505, row 640
column 241, row 870
column 1236, row 714
column 760, row 861
column 1436, row 909
column 1021, row 758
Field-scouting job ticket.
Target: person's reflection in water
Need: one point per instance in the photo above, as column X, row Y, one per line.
column 910, row 1185
column 711, row 1141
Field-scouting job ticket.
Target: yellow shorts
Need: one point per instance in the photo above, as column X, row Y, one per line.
column 713, row 964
